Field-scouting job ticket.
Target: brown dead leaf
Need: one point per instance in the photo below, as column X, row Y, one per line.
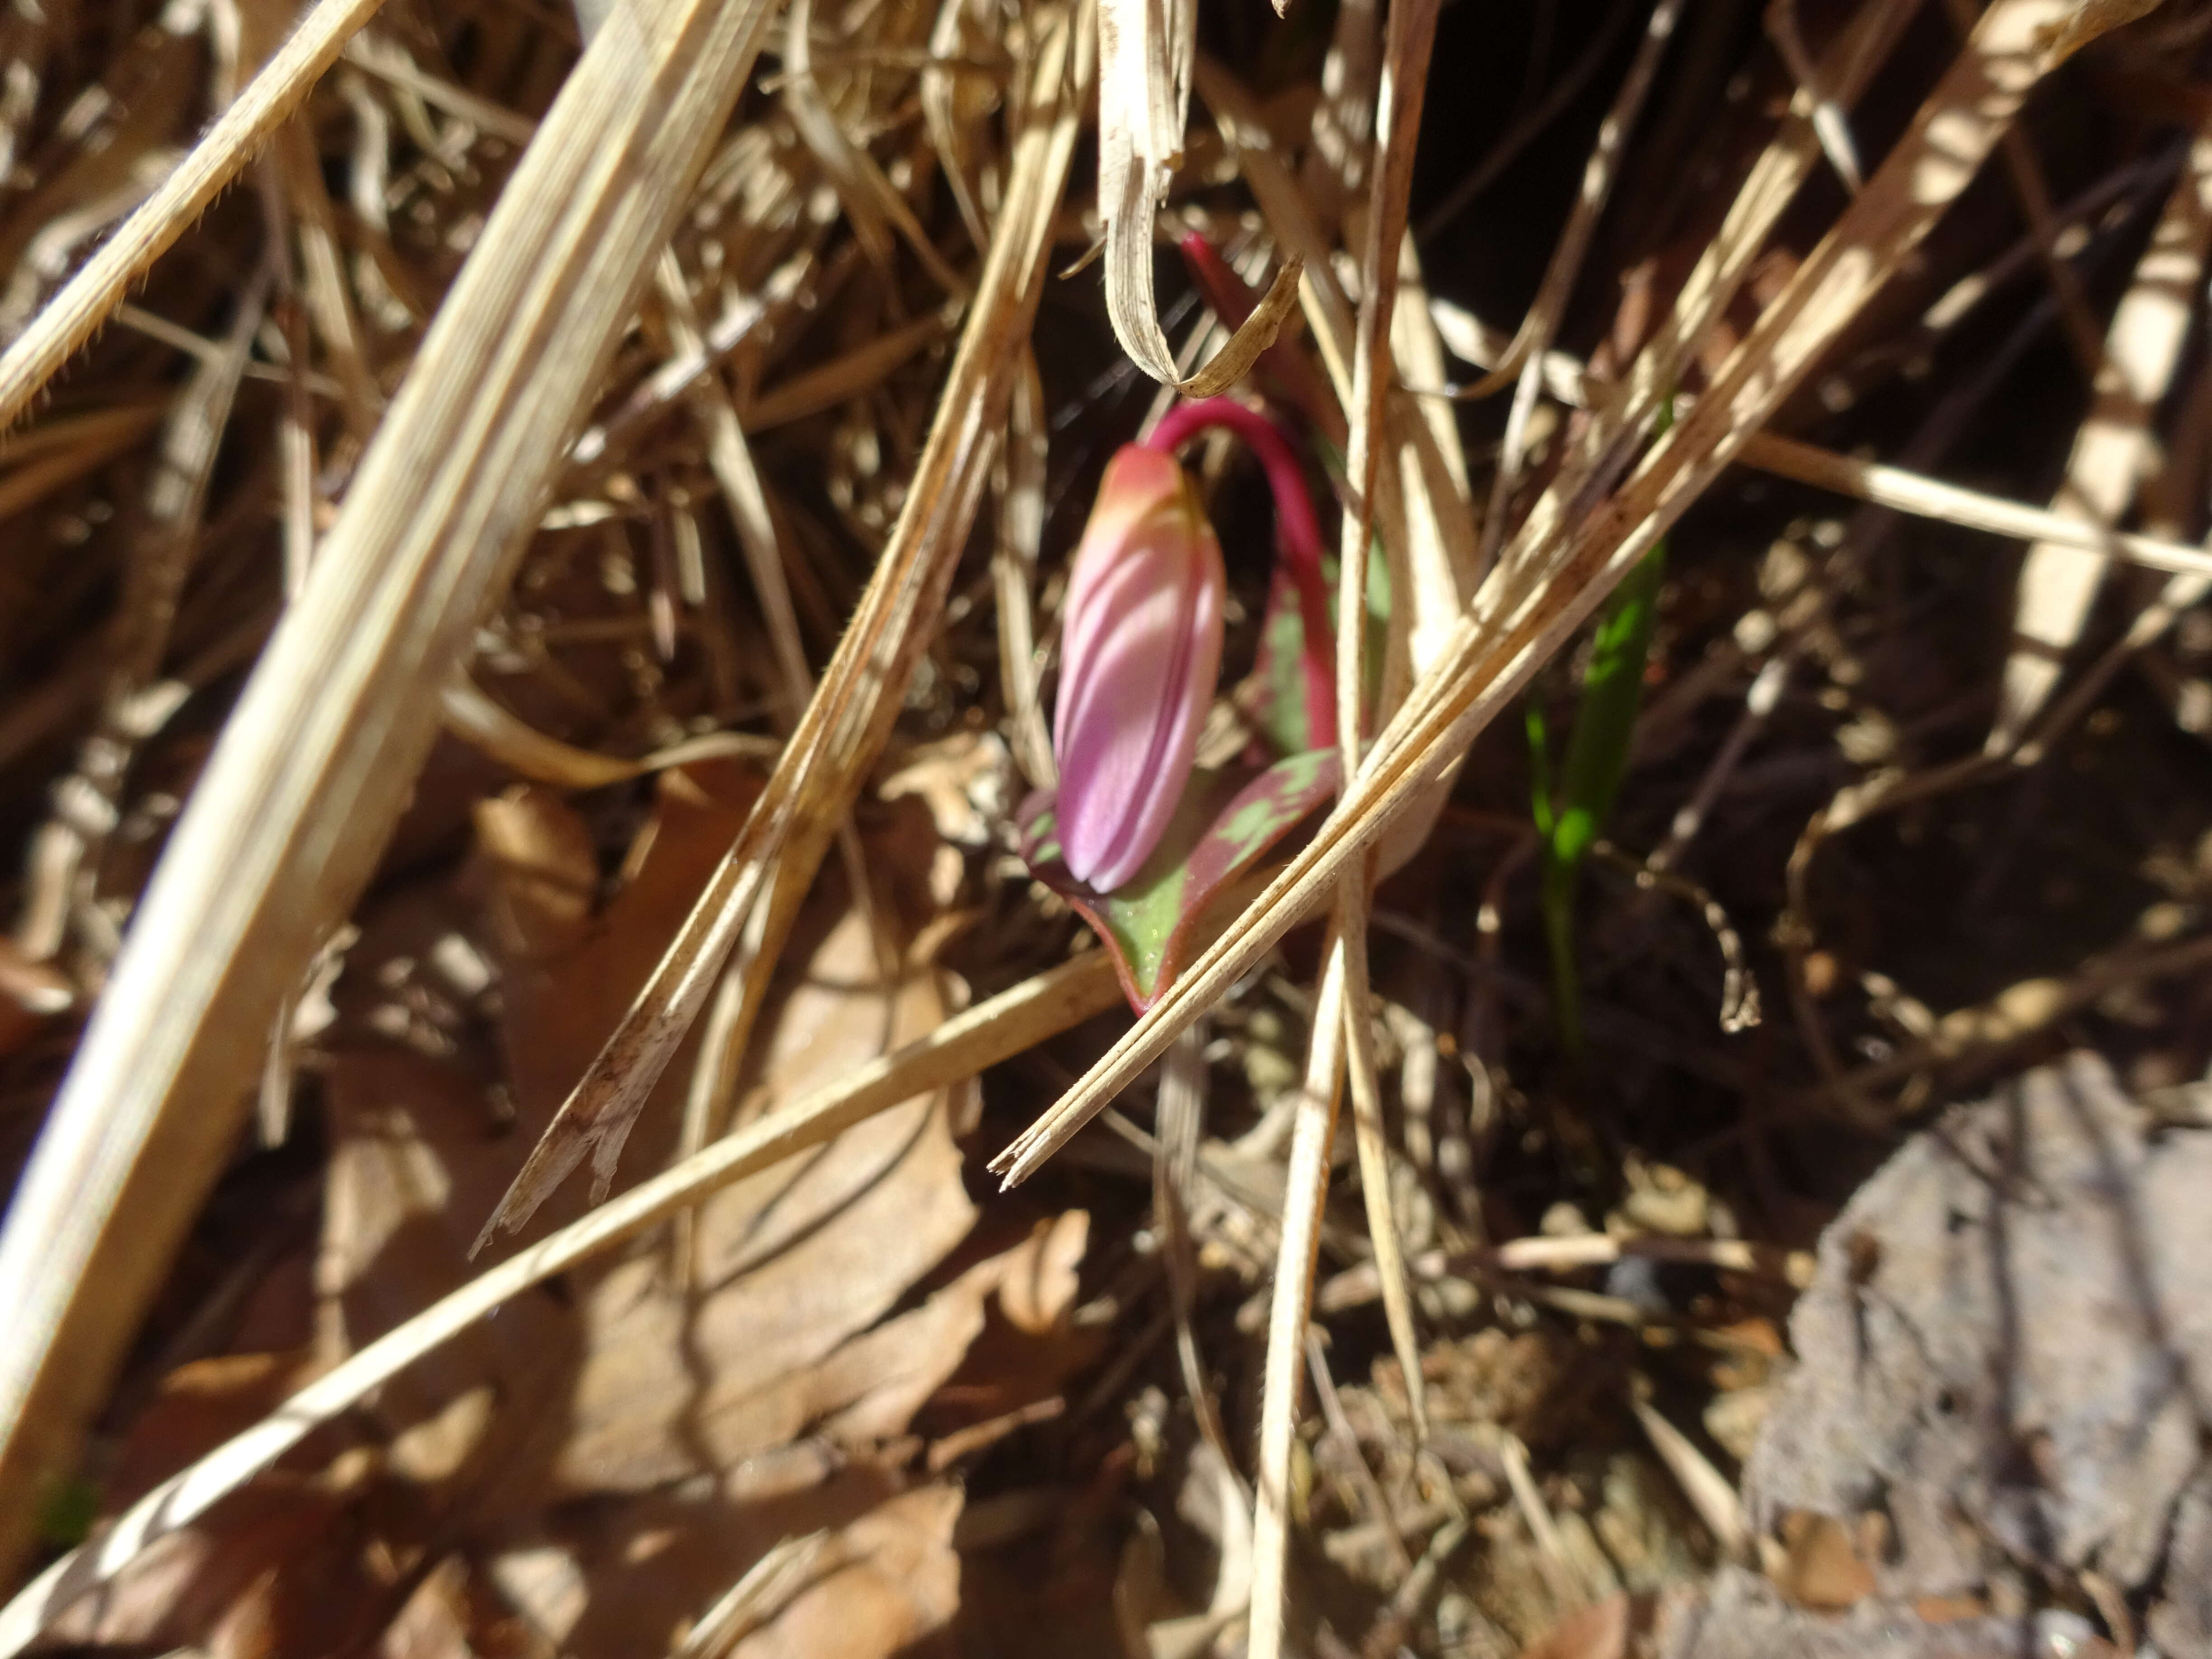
column 1037, row 1282
column 1026, row 1347
column 274, row 1568
column 1051, row 1564
column 434, row 1623
column 790, row 1264
column 416, row 1156
column 1821, row 1567
column 540, row 872
column 561, row 1001
column 614, row 1577
column 899, row 1583
column 541, row 1448
column 197, row 1407
column 1619, row 1627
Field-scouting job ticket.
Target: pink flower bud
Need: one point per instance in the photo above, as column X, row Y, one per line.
column 1140, row 649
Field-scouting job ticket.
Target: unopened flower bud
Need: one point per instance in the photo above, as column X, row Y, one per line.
column 1141, row 652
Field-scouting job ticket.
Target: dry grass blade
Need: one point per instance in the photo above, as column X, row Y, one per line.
column 1374, row 1506
column 1710, row 1492
column 751, row 1602
column 298, row 177
column 737, row 1003
column 2033, row 196
column 175, row 498
column 1412, row 35
column 782, row 1378
column 1304, row 1192
column 868, row 196
column 316, row 764
column 846, row 377
column 1145, row 53
column 730, row 460
column 941, row 113
column 1341, row 1003
column 1180, row 1118
column 388, row 61
column 1971, row 1039
column 1283, row 205
column 1344, row 124
column 2058, row 583
column 161, row 559
column 1552, row 1553
column 2179, row 594
column 1541, row 326
column 959, row 1049
column 103, row 430
column 1422, row 506
column 1533, row 342
column 1364, row 1075
column 1830, row 123
column 68, row 319
column 1916, row 492
column 1021, row 488
column 1517, row 624
column 477, row 720
column 847, row 722
column 1718, row 276
column 56, row 456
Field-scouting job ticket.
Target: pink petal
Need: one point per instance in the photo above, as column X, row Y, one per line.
column 1142, row 651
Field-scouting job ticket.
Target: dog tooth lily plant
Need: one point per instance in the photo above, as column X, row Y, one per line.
column 1138, row 837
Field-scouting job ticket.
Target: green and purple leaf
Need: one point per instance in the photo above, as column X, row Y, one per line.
column 1228, row 819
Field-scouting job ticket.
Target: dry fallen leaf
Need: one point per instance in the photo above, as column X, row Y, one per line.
column 278, row 1557
column 899, row 1583
column 566, row 989
column 621, row 1575
column 436, row 1621
column 787, row 1265
column 1599, row 1631
column 1038, row 1284
column 1821, row 1567
column 555, row 1434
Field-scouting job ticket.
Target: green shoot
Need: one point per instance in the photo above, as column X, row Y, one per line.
column 1572, row 817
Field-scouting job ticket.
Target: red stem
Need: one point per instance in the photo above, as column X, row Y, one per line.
column 1284, row 372
column 1297, row 534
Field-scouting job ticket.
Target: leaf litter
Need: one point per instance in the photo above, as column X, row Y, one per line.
column 608, row 1459
column 819, row 1390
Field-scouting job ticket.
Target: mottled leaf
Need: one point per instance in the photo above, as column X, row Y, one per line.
column 1228, row 819
column 1277, row 698
column 1274, row 699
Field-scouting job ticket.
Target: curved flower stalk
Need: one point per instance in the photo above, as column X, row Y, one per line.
column 1139, row 838
column 1298, row 537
